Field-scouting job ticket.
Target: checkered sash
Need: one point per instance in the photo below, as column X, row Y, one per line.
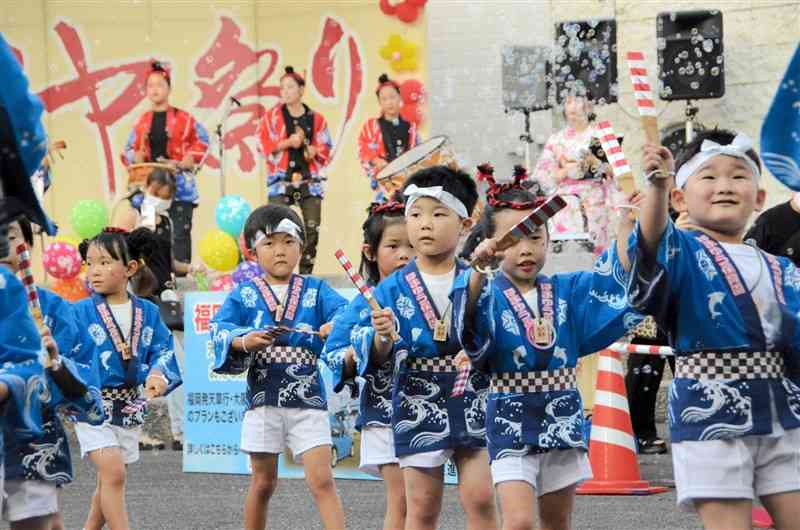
column 125, row 394
column 431, row 364
column 730, row 365
column 285, row 355
column 530, row 382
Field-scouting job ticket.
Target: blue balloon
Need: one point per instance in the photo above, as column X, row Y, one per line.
column 231, row 214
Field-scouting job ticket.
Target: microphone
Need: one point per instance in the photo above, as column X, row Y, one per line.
column 236, row 101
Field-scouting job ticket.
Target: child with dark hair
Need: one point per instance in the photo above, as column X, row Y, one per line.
column 36, row 469
column 731, row 312
column 125, row 336
column 429, row 426
column 297, row 145
column 528, row 330
column 386, row 249
column 386, row 137
column 273, row 327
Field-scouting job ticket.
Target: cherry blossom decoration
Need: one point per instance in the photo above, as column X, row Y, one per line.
column 401, row 54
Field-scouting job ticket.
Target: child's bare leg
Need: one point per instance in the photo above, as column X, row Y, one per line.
column 517, row 503
column 263, row 481
column 95, row 519
column 424, row 489
column 475, row 488
column 110, row 494
column 395, row 518
column 784, row 508
column 555, row 509
column 319, row 477
column 57, row 523
column 725, row 514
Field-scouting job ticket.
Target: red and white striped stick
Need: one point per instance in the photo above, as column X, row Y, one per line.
column 460, row 385
column 26, row 271
column 616, row 157
column 551, row 206
column 643, row 92
column 644, row 349
column 360, row 284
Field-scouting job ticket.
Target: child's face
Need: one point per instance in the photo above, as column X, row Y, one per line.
column 160, row 191
column 157, row 89
column 433, row 228
column 389, row 100
column 278, row 255
column 394, row 249
column 291, row 91
column 106, row 274
column 524, row 260
column 11, row 261
column 721, row 195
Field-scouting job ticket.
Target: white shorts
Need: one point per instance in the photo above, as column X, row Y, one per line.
column 29, row 498
column 428, row 459
column 271, row 429
column 377, row 449
column 94, row 437
column 545, row 472
column 740, row 468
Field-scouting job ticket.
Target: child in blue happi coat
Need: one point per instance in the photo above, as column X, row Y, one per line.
column 528, row 331
column 431, row 426
column 273, row 327
column 38, row 468
column 125, row 336
column 731, row 312
column 386, row 249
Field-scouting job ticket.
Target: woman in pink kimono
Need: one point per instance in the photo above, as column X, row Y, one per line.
column 564, row 166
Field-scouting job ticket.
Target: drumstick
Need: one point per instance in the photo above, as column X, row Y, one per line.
column 644, row 96
column 360, row 284
column 551, row 206
column 26, row 271
column 642, row 349
column 616, row 158
column 284, row 329
column 460, row 384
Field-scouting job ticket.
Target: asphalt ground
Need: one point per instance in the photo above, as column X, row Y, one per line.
column 161, row 496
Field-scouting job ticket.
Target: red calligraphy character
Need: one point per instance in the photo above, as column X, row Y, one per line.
column 86, row 85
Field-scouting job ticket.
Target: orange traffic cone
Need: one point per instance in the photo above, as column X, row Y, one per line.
column 761, row 518
column 612, row 447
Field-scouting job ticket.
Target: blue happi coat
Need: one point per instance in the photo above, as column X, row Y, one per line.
column 47, row 456
column 310, row 303
column 375, row 401
column 20, row 369
column 150, row 343
column 424, row 415
column 695, row 292
column 588, row 311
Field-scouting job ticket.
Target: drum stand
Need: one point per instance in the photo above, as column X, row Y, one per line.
column 526, row 138
column 691, row 113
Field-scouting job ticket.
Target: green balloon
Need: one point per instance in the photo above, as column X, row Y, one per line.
column 89, row 217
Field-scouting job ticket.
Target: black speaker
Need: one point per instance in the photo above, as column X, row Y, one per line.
column 691, row 63
column 585, row 59
column 526, row 77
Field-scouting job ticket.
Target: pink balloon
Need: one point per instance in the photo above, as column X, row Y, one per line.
column 223, row 283
column 62, row 261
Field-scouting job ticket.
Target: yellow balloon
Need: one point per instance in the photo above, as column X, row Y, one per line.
column 219, row 251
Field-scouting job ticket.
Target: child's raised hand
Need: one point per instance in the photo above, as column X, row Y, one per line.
column 487, row 250
column 657, row 162
column 383, row 322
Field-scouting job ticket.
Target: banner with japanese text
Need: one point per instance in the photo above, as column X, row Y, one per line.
column 89, row 60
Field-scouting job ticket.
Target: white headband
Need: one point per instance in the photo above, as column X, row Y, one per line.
column 286, row 226
column 709, row 149
column 414, row 192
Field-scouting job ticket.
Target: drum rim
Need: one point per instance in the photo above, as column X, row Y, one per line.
column 443, row 140
column 153, row 165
